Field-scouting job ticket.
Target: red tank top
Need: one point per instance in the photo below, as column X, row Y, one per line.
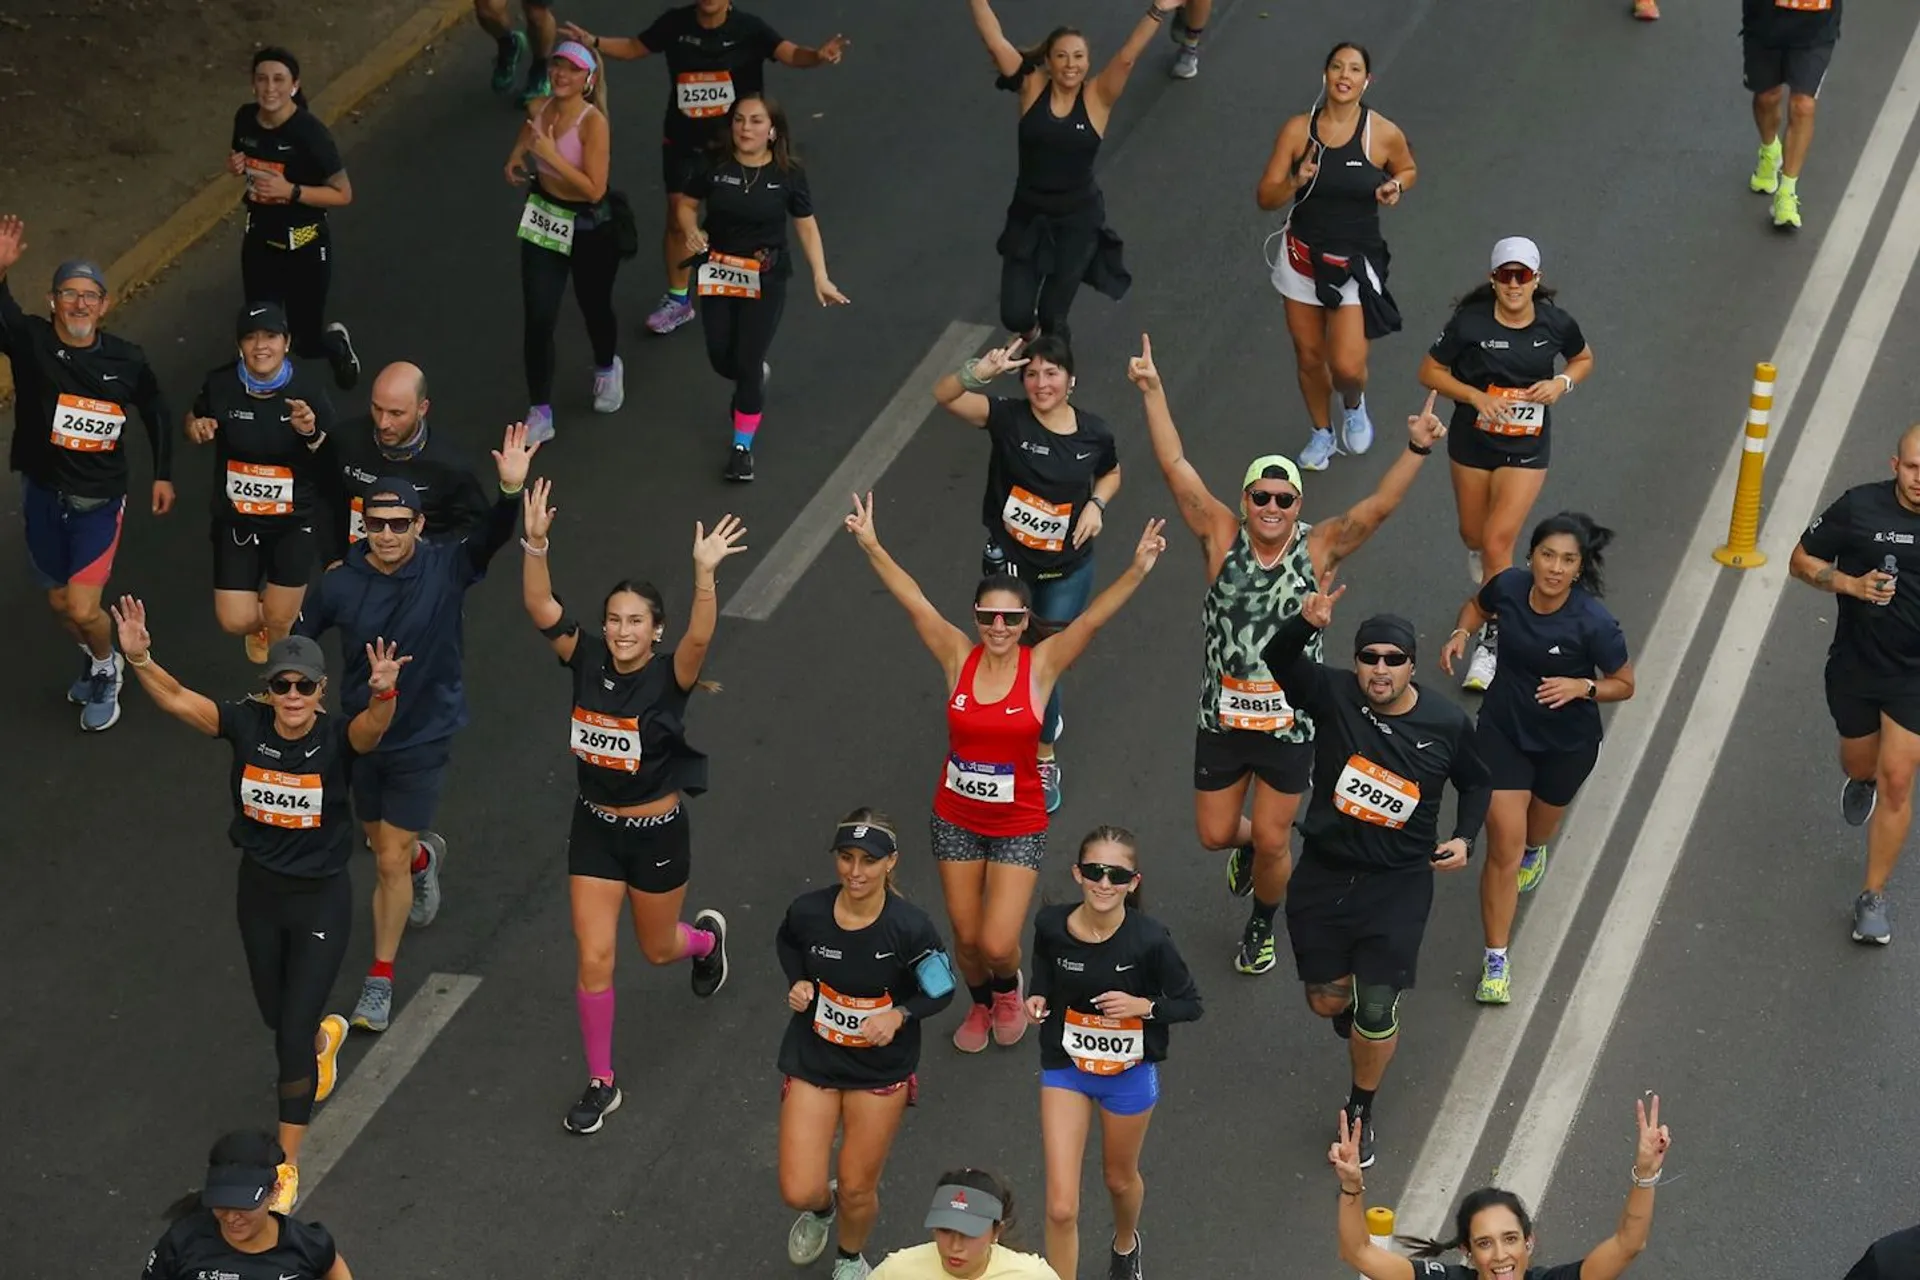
column 992, row 783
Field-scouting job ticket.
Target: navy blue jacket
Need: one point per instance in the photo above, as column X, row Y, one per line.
column 418, row 607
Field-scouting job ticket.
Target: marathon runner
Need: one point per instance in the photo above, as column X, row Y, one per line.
column 234, row 1228
column 1492, row 1228
column 631, row 844
column 292, row 826
column 751, row 184
column 1787, row 46
column 853, row 1044
column 1107, row 983
column 989, row 820
column 1331, row 170
column 270, row 424
column 399, row 585
column 715, row 57
column 1384, row 751
column 1188, row 25
column 567, row 232
column 512, row 46
column 73, row 384
column 1051, row 473
column 1261, row 562
column 1496, row 361
column 1056, row 236
column 972, row 1215
column 1857, row 549
column 398, row 444
column 294, row 176
column 1539, row 730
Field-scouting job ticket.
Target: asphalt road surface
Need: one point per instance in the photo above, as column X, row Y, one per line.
column 1783, row 1052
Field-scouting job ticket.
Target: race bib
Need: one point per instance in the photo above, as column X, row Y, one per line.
column 1374, row 795
column 290, row 800
column 87, row 426
column 1808, row 6
column 990, row 783
column 840, row 1020
column 1524, row 417
column 356, row 520
column 256, row 167
column 701, row 94
column 1103, row 1046
column 256, row 490
column 546, row 224
column 1034, row 522
column 606, row 742
column 1258, row 705
column 724, row 276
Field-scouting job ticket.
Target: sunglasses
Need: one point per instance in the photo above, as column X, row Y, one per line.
column 1374, row 658
column 388, row 524
column 1514, row 275
column 1011, row 617
column 1095, row 872
column 1261, row 497
column 284, row 685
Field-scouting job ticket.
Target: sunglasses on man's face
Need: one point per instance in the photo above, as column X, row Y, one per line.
column 1514, row 275
column 1095, row 872
column 1010, row 617
column 1261, row 497
column 388, row 524
column 1374, row 658
column 284, row 685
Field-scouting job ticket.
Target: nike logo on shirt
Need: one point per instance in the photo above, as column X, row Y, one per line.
column 1080, row 457
column 320, row 935
column 883, row 955
column 1555, row 649
column 1543, row 342
column 310, row 751
column 1014, row 711
column 1422, row 746
column 1121, row 968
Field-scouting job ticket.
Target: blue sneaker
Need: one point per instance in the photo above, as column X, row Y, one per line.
column 82, row 687
column 506, row 62
column 540, row 424
column 1356, row 428
column 1319, row 451
column 100, row 710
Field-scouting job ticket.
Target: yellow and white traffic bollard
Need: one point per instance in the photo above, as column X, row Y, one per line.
column 1742, row 549
column 1380, row 1228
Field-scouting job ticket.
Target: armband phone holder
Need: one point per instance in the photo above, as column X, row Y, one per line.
column 934, row 972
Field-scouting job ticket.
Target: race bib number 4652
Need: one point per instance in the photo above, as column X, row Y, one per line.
column 1379, row 797
column 990, row 783
column 88, row 426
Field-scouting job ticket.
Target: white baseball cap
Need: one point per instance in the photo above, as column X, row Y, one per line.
column 1515, row 249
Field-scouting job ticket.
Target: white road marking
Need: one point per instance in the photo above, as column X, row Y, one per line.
column 1441, row 1170
column 883, row 441
column 362, row 1094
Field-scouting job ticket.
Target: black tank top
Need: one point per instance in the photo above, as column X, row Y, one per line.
column 1056, row 155
column 1339, row 205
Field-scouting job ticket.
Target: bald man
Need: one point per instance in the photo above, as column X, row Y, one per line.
column 1859, row 549
column 397, row 444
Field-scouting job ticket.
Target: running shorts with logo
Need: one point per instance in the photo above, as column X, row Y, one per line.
column 652, row 854
column 70, row 540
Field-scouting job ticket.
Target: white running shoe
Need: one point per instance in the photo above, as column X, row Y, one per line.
column 1481, row 670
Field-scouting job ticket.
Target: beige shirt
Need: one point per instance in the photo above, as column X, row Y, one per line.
column 922, row 1262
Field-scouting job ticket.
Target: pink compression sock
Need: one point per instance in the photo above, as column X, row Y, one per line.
column 698, row 944
column 744, row 427
column 596, row 1031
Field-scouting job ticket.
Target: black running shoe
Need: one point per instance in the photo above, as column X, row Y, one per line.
column 1125, row 1266
column 1364, row 1119
column 341, row 355
column 710, row 970
column 739, row 465
column 1240, row 871
column 1256, row 954
column 1857, row 801
column 599, row 1101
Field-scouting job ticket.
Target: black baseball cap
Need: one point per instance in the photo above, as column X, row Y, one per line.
column 391, row 491
column 261, row 317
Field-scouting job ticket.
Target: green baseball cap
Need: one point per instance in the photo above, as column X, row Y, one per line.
column 1273, row 466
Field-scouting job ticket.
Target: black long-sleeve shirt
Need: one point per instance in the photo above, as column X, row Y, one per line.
column 1139, row 959
column 456, row 503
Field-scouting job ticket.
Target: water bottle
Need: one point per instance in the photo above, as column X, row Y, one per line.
column 1380, row 1229
column 1891, row 568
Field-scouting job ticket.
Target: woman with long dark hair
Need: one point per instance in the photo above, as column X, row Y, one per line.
column 971, row 1219
column 631, row 844
column 1539, row 729
column 233, row 1226
column 989, row 818
column 1493, row 1229
column 751, row 183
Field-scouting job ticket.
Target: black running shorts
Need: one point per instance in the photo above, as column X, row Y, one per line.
column 1368, row 924
column 1801, row 70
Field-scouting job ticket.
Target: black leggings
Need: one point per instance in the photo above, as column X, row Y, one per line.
column 739, row 332
column 1029, row 299
column 297, row 279
column 543, row 282
column 294, row 932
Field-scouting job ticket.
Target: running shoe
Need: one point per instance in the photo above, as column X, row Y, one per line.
column 100, row 709
column 1364, row 1119
column 1356, row 428
column 1343, row 1023
column 1010, row 1014
column 610, row 387
column 374, row 1010
column 972, row 1034
column 807, row 1238
column 1240, row 871
column 536, row 89
column 288, row 1190
column 1766, row 173
column 670, row 314
column 739, row 468
column 1646, row 10
column 1256, row 947
column 601, row 1099
column 1186, row 64
column 82, row 687
column 1496, row 983
column 426, row 881
column 1857, row 800
column 1050, row 784
column 1480, row 671
column 1870, row 918
column 344, row 359
column 506, row 62
column 710, row 970
column 1533, row 867
column 257, row 646
column 766, row 374
column 1476, row 569
column 1125, row 1266
column 1786, row 208
column 854, row 1268
column 333, row 1034
column 540, row 424
column 1319, row 451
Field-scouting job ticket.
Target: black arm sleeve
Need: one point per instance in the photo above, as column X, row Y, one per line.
column 13, row 323
column 155, row 417
column 1179, row 998
column 1040, row 967
column 1303, row 679
column 793, row 957
column 1474, row 783
column 483, row 545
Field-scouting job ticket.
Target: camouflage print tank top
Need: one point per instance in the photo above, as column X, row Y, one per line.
column 1243, row 608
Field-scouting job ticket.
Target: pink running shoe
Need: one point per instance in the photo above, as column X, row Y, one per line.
column 1010, row 1014
column 971, row 1035
column 670, row 314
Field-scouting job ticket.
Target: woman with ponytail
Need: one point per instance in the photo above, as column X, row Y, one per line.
column 1539, row 729
column 865, row 968
column 230, row 1228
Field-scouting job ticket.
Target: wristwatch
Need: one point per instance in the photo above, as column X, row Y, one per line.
column 1593, row 690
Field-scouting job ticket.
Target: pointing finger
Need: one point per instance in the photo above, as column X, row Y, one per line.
column 1428, row 408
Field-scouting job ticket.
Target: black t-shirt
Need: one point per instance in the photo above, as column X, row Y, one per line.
column 194, row 1249
column 264, row 475
column 708, row 69
column 748, row 208
column 456, row 505
column 1894, row 1257
column 629, row 731
column 1426, row 1270
column 1139, row 959
column 290, row 807
column 1781, row 28
column 1580, row 638
column 1865, row 528
column 301, row 150
column 1480, row 351
column 1377, row 780
column 855, row 974
column 1038, row 481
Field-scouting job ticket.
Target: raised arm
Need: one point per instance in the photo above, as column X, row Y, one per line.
column 586, row 181
column 1612, row 1256
column 620, row 48
column 962, row 393
column 174, row 698
column 1112, row 81
column 1208, row 518
column 511, row 461
column 1334, row 540
column 709, row 549
column 384, row 661
column 987, row 23
column 1304, row 680
column 1357, row 1249
column 536, row 579
column 946, row 642
column 1052, row 656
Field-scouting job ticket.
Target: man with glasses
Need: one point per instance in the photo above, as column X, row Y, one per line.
column 73, row 386
column 1384, row 751
column 396, row 587
column 1261, row 563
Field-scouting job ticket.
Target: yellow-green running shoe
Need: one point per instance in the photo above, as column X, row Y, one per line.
column 1495, row 986
column 1786, row 208
column 1533, row 867
column 1766, row 174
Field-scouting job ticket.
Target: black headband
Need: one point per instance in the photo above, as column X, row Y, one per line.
column 1385, row 628
column 869, row 837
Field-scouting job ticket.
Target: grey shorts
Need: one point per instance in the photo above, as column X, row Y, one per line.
column 957, row 844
